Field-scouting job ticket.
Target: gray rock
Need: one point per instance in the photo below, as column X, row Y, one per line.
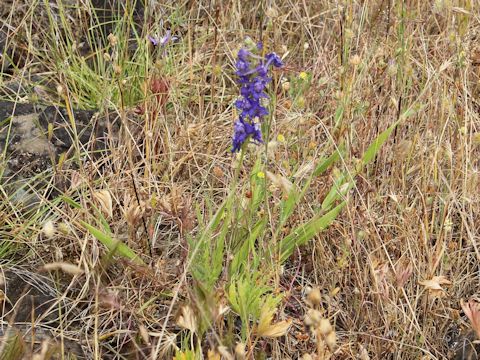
column 33, row 137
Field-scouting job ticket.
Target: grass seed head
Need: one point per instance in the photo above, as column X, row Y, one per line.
column 324, row 327
column 240, row 353
column 49, row 229
column 312, row 318
column 314, row 297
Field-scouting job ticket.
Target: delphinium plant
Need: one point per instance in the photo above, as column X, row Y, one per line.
column 239, row 252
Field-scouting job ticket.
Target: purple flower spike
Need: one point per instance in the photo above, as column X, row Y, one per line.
column 253, row 81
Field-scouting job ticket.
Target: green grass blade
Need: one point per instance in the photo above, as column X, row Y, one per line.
column 302, row 234
column 113, row 244
column 288, row 205
column 339, row 189
column 372, row 150
column 248, row 247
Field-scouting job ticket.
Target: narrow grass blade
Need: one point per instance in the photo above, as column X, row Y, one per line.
column 248, row 247
column 113, row 244
column 302, row 234
column 372, row 150
column 338, row 190
column 288, row 205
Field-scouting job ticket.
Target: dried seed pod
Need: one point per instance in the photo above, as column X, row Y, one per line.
column 240, row 353
column 312, row 318
column 331, row 340
column 324, row 327
column 314, row 297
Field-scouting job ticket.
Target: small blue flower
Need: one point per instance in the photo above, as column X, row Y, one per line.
column 242, row 130
column 274, row 59
column 253, row 81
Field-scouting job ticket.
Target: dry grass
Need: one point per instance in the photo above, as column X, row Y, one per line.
column 413, row 214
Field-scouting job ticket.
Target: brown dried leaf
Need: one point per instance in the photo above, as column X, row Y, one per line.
column 144, row 334
column 187, row 319
column 434, row 285
column 105, row 200
column 76, row 180
column 110, row 300
column 403, row 273
column 472, row 311
column 275, row 330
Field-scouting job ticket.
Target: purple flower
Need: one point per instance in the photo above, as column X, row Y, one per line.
column 163, row 40
column 242, row 130
column 273, row 59
column 253, row 80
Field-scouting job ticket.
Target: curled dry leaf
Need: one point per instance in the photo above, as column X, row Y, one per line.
column 381, row 272
column 280, row 182
column 472, row 311
column 76, row 180
column 403, row 273
column 434, row 285
column 275, row 330
column 105, row 200
column 109, row 300
column 363, row 353
column 133, row 214
column 187, row 319
column 63, row 266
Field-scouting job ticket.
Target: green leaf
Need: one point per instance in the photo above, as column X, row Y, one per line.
column 241, row 256
column 372, row 150
column 207, row 257
column 288, row 206
column 70, row 201
column 303, row 233
column 324, row 164
column 339, row 114
column 112, row 244
column 339, row 189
